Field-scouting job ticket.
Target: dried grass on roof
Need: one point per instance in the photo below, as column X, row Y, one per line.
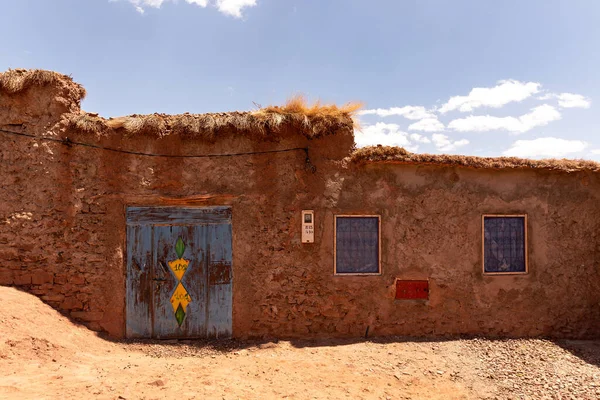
column 399, row 155
column 319, row 117
column 89, row 123
column 312, row 120
column 18, row 80
column 154, row 125
column 209, row 125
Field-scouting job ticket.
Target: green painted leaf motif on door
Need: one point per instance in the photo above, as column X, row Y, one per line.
column 179, row 248
column 180, row 315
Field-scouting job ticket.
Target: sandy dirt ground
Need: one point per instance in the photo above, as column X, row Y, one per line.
column 45, row 356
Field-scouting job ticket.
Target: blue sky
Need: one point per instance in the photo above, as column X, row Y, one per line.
column 480, row 77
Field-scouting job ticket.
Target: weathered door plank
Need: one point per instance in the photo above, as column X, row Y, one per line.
column 220, row 275
column 178, row 215
column 139, row 282
column 195, row 281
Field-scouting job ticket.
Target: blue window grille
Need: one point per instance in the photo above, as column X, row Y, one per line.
column 357, row 245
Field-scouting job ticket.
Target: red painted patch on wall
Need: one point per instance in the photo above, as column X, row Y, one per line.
column 410, row 290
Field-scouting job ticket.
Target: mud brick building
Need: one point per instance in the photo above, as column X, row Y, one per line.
column 270, row 223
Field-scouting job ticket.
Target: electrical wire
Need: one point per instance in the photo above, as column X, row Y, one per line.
column 69, row 143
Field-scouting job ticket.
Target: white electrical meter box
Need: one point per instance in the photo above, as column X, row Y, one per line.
column 308, row 226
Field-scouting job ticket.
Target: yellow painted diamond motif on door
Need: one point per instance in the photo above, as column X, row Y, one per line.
column 180, row 298
column 179, row 267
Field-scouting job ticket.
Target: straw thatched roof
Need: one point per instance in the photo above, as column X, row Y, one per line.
column 313, row 121
column 398, row 155
column 15, row 81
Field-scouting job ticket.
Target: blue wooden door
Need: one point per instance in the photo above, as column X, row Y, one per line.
column 179, row 272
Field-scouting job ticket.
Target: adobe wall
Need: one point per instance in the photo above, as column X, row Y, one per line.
column 431, row 229
column 62, row 233
column 62, row 209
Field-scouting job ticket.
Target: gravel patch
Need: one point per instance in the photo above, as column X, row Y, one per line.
column 539, row 369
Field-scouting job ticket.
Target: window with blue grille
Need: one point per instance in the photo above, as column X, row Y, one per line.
column 357, row 244
column 504, row 244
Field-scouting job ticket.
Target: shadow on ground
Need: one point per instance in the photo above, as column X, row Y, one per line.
column 228, row 345
column 586, row 350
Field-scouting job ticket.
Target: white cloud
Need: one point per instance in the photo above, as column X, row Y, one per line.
column 545, row 147
column 381, row 133
column 505, row 92
column 539, row 116
column 409, row 112
column 415, row 137
column 443, row 143
column 140, row 4
column 234, row 7
column 427, row 125
column 569, row 100
column 229, row 7
column 388, row 135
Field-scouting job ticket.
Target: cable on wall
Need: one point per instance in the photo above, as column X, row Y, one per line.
column 68, row 142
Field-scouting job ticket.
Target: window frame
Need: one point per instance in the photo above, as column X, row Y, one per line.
column 335, row 273
column 526, row 244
